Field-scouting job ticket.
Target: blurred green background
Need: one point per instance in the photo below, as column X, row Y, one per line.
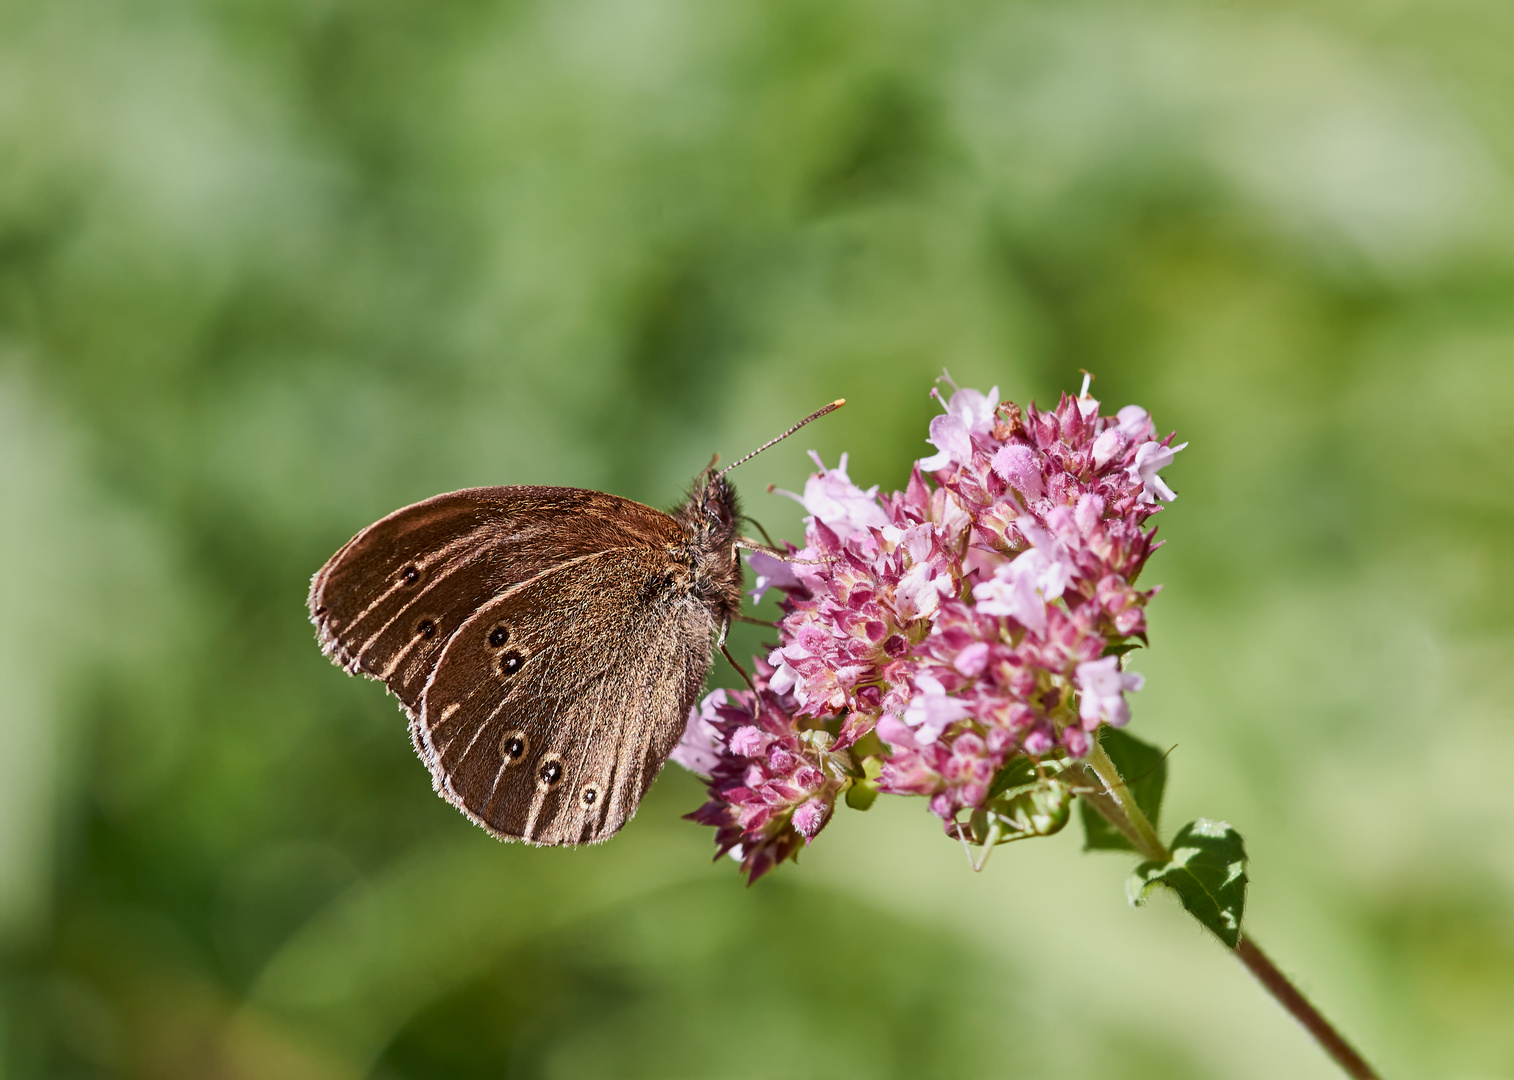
column 271, row 269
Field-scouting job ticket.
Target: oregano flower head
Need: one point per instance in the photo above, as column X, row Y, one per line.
column 960, row 639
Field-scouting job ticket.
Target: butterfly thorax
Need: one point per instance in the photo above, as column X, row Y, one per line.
column 711, row 568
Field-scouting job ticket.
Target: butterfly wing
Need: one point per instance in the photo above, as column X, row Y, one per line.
column 390, row 600
column 553, row 708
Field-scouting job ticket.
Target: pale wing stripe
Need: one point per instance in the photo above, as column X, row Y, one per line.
column 528, row 831
column 630, row 751
column 588, row 814
column 538, row 802
column 450, row 710
column 482, row 727
column 404, row 611
column 431, row 755
column 552, row 726
column 499, row 774
column 516, row 588
column 467, row 540
column 399, row 657
column 488, row 812
column 611, row 795
column 362, row 616
column 444, row 774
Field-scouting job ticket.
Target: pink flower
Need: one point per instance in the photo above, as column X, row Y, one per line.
column 918, row 593
column 931, row 711
column 837, row 503
column 974, row 408
column 1149, row 458
column 772, row 573
column 972, row 659
column 897, row 733
column 770, row 790
column 1102, row 686
column 700, row 748
column 1022, row 588
column 1134, row 423
column 970, row 413
column 949, row 435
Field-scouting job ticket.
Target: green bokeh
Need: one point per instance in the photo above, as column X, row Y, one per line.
column 269, row 270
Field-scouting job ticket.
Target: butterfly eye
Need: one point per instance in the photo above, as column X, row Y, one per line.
column 590, row 795
column 550, row 772
column 410, row 575
column 426, row 628
column 513, row 747
column 510, row 663
column 498, row 636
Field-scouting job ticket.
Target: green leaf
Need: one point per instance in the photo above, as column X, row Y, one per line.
column 1144, row 769
column 861, row 794
column 1207, row 871
column 1017, row 772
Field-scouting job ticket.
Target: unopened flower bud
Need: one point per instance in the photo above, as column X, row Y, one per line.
column 810, row 818
column 1017, row 467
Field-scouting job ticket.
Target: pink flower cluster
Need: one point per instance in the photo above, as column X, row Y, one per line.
column 933, row 635
column 771, row 783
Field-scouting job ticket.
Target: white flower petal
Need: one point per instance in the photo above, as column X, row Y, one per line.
column 772, row 573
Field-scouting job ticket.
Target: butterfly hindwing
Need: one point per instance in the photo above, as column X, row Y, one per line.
column 552, row 709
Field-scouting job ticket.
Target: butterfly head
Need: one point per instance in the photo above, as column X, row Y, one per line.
column 709, row 519
column 715, row 498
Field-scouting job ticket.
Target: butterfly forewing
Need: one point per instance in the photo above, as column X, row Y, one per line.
column 388, row 602
column 552, row 736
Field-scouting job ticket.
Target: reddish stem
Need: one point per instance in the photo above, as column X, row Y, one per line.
column 1121, row 810
column 1278, row 986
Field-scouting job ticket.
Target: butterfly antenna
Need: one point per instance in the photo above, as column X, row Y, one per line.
column 816, row 415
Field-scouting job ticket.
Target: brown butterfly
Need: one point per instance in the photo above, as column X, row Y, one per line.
column 546, row 643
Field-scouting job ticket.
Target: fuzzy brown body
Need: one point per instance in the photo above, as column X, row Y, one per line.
column 545, row 643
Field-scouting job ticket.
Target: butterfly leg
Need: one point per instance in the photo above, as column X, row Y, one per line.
column 732, row 661
column 764, row 532
column 784, row 556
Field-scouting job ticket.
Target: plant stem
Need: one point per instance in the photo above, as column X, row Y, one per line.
column 1147, row 842
column 1119, row 807
column 1288, row 995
